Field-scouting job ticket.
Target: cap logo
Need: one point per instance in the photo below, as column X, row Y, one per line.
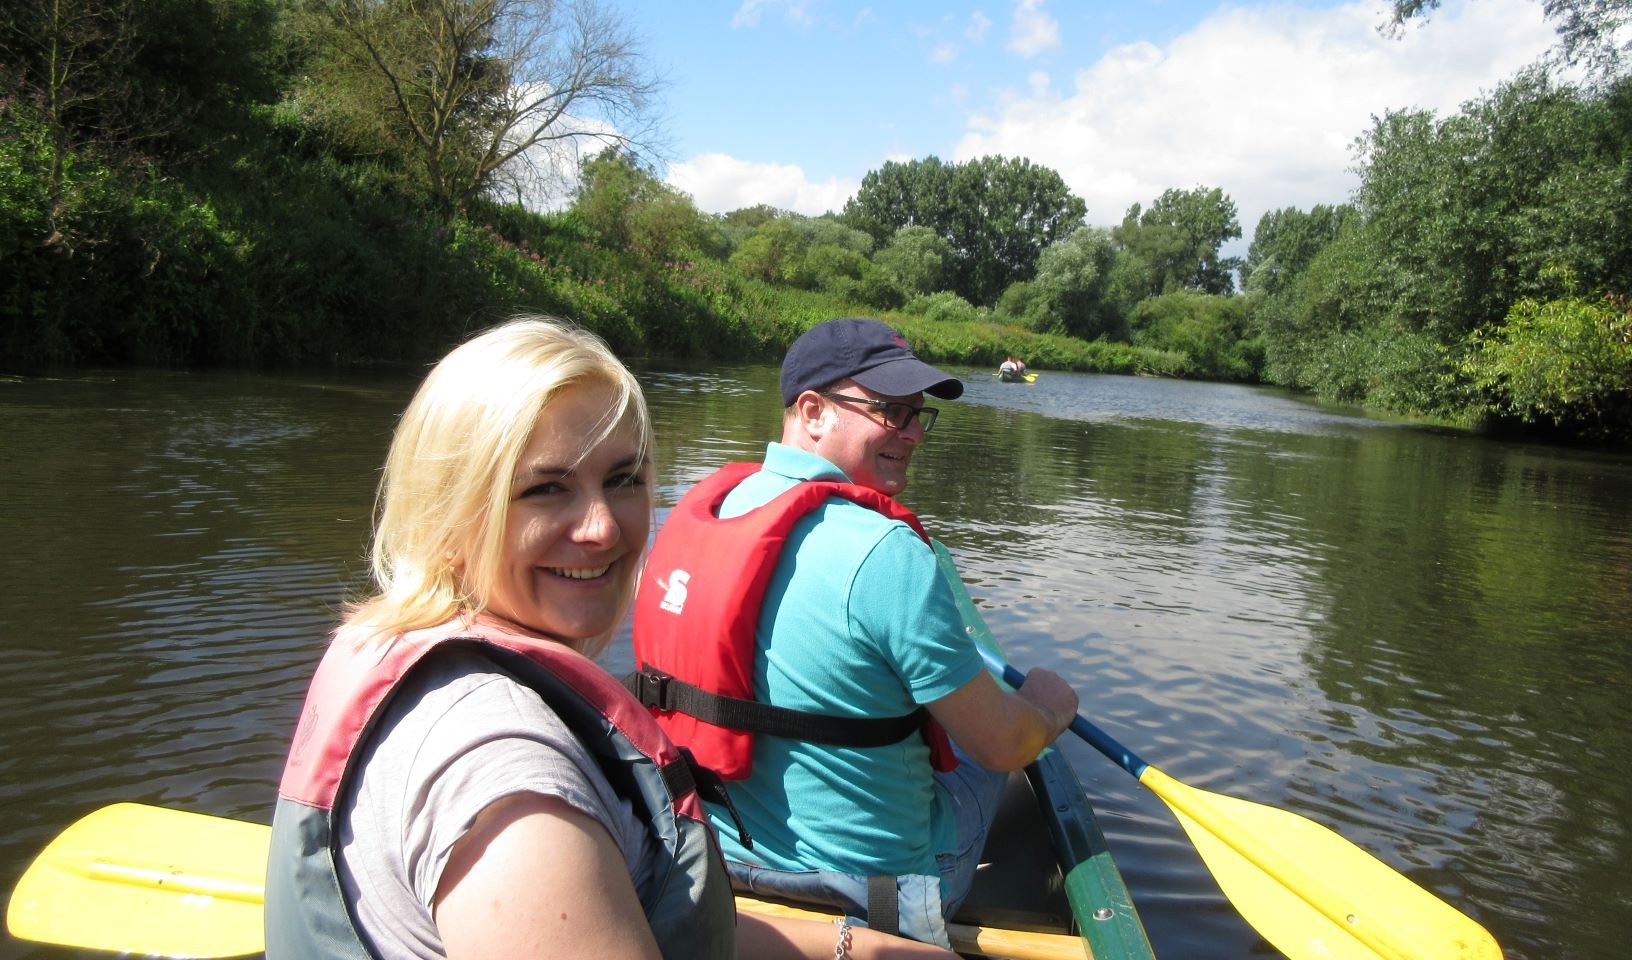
column 900, row 342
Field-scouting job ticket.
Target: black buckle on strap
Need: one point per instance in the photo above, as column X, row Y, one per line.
column 651, row 688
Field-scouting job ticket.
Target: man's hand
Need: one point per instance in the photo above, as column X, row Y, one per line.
column 1004, row 730
column 1050, row 694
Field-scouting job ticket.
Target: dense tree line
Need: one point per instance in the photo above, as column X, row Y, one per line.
column 290, row 181
column 1481, row 271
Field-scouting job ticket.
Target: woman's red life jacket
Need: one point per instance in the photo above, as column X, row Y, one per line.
column 690, row 908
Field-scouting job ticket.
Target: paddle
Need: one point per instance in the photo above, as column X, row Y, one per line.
column 1310, row 892
column 132, row 878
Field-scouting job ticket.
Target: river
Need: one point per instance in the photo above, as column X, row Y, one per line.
column 1417, row 637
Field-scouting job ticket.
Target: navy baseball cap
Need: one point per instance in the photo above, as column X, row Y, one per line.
column 866, row 351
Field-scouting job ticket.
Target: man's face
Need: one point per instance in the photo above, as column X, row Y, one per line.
column 860, row 442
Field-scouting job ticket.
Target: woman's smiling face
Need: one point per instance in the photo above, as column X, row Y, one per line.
column 577, row 521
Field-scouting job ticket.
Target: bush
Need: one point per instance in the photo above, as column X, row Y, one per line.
column 946, row 307
column 1567, row 362
column 1209, row 330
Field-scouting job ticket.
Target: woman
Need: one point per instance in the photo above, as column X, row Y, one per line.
column 463, row 782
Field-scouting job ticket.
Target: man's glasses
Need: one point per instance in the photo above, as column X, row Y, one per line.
column 897, row 416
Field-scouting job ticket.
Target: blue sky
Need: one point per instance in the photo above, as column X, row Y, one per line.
column 792, row 102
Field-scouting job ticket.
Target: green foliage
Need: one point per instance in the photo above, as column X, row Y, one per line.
column 1209, row 330
column 1016, row 302
column 474, row 95
column 737, row 226
column 276, row 208
column 1069, row 293
column 1310, row 329
column 1286, row 241
column 919, row 260
column 773, row 253
column 1470, row 211
column 981, row 341
column 1457, row 222
column 810, row 253
column 996, row 214
column 1175, row 246
column 1565, row 362
column 629, row 208
column 945, row 307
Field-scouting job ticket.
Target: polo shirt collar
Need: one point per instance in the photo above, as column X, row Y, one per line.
column 797, row 464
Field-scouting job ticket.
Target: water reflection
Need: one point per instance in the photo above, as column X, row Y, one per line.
column 1416, row 637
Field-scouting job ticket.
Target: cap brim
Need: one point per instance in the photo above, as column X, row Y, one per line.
column 907, row 376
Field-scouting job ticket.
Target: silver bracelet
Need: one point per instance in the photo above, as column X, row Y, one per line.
column 841, row 950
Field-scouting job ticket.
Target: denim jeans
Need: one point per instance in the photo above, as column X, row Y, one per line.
column 974, row 792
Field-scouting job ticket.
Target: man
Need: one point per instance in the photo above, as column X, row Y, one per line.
column 803, row 586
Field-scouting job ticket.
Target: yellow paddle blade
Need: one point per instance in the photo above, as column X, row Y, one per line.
column 131, row 878
column 1311, row 893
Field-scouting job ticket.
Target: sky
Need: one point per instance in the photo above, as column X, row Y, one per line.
column 791, row 102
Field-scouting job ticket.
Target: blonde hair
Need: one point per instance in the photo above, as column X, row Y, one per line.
column 445, row 492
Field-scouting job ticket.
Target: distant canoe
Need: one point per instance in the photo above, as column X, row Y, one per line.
column 1008, row 377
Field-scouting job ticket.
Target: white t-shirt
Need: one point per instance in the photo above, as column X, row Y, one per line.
column 456, row 738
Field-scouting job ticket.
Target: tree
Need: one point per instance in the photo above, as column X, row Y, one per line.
column 1285, row 241
column 737, row 226
column 900, row 195
column 1469, row 212
column 1068, row 294
column 73, row 60
column 997, row 214
column 919, row 260
column 1005, row 212
column 1175, row 244
column 1590, row 32
column 629, row 208
column 473, row 91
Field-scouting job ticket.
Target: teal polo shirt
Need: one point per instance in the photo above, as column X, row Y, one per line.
column 857, row 621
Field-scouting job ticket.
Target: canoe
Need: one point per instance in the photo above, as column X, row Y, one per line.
column 1007, row 377
column 149, row 880
column 1047, row 867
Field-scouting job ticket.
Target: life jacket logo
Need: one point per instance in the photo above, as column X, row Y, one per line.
column 674, row 592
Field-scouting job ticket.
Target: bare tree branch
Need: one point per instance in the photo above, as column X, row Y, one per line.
column 476, row 86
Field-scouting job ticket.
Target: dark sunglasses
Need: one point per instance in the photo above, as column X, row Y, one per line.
column 897, row 416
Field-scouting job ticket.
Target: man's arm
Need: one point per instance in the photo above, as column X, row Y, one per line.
column 1003, row 730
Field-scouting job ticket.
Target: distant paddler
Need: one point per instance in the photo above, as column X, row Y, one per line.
column 1013, row 370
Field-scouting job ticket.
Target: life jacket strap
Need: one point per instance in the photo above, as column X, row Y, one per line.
column 691, row 775
column 883, row 905
column 661, row 691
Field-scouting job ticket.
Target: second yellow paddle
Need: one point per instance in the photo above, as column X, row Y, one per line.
column 1311, row 893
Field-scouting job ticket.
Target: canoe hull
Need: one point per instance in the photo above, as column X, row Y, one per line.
column 1047, row 867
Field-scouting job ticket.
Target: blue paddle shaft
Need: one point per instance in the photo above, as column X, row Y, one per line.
column 1097, row 738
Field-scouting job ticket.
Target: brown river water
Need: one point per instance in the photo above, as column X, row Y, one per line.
column 1420, row 638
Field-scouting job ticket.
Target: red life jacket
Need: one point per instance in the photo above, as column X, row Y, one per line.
column 697, row 612
column 691, row 914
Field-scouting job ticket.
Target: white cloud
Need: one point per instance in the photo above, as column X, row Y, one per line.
column 719, row 184
column 944, row 52
column 1034, row 31
column 1264, row 102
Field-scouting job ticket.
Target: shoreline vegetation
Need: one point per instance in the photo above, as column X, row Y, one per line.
column 229, row 183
